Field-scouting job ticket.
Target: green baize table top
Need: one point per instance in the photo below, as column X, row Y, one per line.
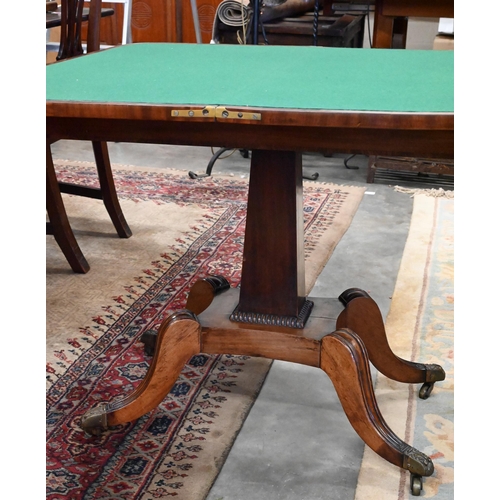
column 287, row 77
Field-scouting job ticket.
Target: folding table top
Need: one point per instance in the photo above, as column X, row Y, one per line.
column 287, row 77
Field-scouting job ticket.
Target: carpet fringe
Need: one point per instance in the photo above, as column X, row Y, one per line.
column 436, row 193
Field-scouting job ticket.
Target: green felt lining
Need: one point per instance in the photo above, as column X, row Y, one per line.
column 287, row 77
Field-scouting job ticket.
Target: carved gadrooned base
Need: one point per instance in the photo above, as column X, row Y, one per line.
column 272, row 319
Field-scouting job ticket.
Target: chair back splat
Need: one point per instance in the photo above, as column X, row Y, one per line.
column 71, row 28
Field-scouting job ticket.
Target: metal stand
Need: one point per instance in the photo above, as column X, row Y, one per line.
column 196, row 21
column 212, row 161
column 349, row 166
column 255, row 22
column 245, row 153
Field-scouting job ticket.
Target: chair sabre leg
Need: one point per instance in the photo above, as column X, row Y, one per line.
column 59, row 225
column 108, row 189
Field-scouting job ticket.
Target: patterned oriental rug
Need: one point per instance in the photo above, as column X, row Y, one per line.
column 420, row 328
column 183, row 230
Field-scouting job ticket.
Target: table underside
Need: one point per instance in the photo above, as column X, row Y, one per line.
column 274, row 218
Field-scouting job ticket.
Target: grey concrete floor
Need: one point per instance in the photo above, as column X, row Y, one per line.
column 297, row 443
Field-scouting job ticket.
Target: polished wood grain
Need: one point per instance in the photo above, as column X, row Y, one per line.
column 203, row 292
column 274, row 246
column 345, row 360
column 340, row 353
column 178, row 341
column 221, row 335
column 390, row 134
column 314, row 118
column 362, row 315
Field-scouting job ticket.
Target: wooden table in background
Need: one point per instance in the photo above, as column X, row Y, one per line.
column 391, row 18
column 51, row 6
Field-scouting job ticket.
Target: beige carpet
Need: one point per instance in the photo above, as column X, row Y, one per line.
column 183, row 230
column 419, row 328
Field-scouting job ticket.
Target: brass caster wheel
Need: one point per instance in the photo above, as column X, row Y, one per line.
column 94, row 422
column 425, row 390
column 94, row 432
column 415, row 485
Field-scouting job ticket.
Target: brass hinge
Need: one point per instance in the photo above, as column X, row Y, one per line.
column 206, row 112
column 216, row 112
column 222, row 112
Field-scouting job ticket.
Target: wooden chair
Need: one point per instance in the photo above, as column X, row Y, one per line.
column 58, row 225
column 126, row 36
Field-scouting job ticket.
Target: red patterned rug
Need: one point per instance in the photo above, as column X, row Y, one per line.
column 183, row 230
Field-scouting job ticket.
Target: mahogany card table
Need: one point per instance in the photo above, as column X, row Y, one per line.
column 277, row 102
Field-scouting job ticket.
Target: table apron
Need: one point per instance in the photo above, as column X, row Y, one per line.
column 433, row 143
